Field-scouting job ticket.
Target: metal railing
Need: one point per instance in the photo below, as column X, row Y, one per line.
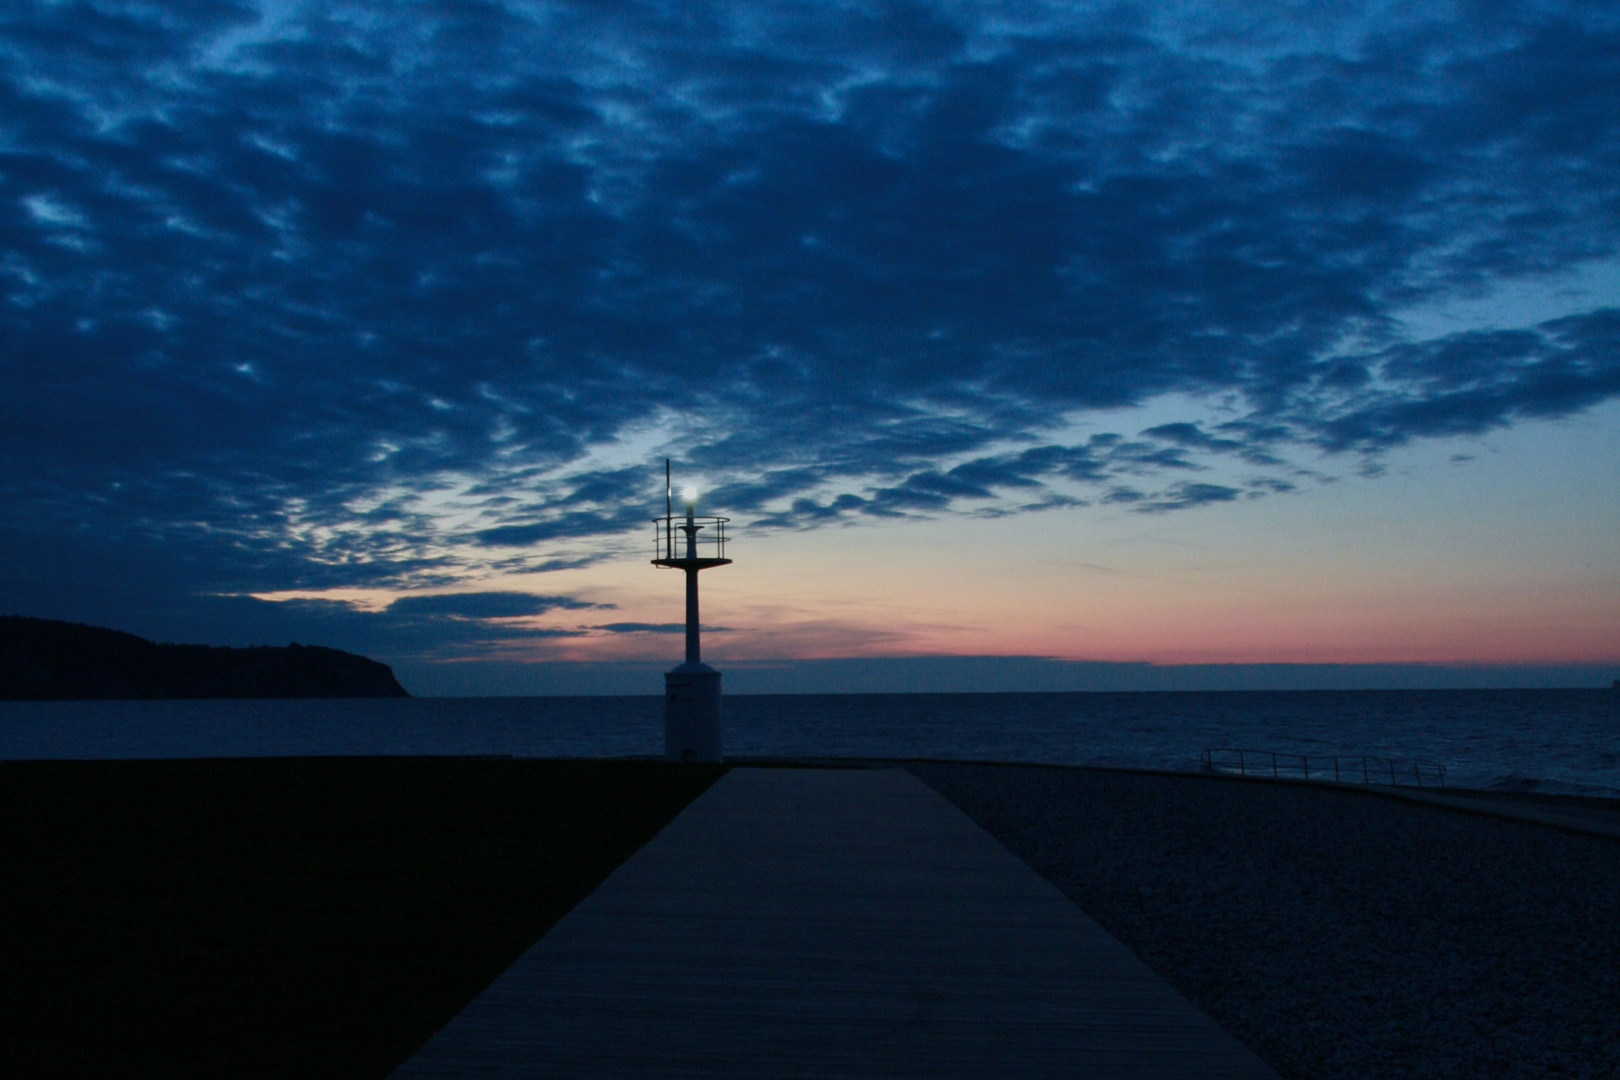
column 1342, row 768
column 670, row 537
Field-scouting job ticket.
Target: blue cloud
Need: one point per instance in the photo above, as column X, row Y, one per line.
column 656, row 628
column 1180, row 496
column 1473, row 382
column 487, row 605
column 277, row 287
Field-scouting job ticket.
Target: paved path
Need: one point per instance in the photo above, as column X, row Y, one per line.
column 827, row 923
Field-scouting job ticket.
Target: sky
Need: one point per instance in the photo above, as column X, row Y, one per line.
column 1026, row 345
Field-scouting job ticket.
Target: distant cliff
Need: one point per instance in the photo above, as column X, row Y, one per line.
column 47, row 659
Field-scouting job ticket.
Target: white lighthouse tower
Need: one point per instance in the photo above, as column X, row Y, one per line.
column 692, row 690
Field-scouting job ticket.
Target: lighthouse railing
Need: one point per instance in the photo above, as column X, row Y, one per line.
column 670, row 537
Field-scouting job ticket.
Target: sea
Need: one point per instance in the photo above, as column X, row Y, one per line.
column 1549, row 741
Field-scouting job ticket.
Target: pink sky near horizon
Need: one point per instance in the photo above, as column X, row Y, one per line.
column 1501, row 555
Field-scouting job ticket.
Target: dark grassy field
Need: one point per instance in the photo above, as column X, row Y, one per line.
column 288, row 918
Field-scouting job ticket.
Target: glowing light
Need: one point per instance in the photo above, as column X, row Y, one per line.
column 689, row 495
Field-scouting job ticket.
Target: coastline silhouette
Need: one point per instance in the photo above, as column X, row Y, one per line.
column 50, row 660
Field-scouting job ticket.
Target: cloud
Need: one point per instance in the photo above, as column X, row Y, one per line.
column 1473, row 382
column 411, row 627
column 656, row 628
column 389, row 296
column 412, row 632
column 1190, row 435
column 1181, row 496
column 487, row 605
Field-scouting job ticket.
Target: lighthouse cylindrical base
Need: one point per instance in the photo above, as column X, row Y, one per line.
column 692, row 713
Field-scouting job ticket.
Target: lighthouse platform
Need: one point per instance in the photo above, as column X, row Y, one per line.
column 828, row 923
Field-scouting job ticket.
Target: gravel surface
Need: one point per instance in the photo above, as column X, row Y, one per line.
column 1338, row 934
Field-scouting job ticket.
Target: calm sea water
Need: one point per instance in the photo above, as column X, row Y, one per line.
column 1542, row 740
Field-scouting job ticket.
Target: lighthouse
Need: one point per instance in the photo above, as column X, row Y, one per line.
column 692, row 690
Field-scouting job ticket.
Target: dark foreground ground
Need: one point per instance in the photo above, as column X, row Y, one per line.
column 287, row 918
column 320, row 918
column 1341, row 935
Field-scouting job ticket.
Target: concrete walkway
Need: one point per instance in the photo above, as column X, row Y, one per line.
column 828, row 923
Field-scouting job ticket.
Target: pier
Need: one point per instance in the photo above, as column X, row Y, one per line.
column 828, row 922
